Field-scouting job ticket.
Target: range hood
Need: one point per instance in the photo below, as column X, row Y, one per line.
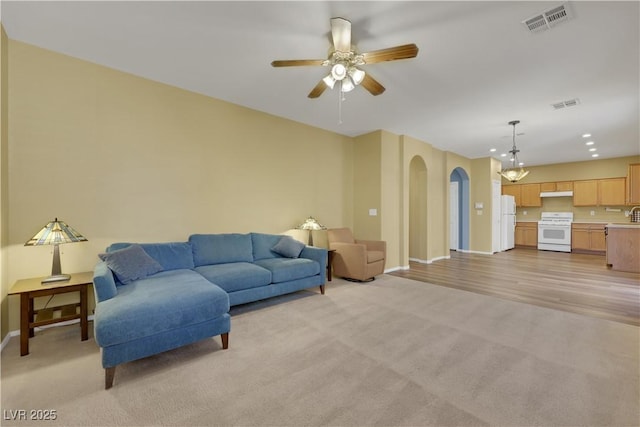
column 556, row 194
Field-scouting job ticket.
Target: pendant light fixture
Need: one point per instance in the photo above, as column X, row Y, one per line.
column 516, row 172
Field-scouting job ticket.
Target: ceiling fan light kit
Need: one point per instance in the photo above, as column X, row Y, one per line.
column 514, row 174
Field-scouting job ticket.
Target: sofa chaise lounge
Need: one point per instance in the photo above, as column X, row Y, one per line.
column 154, row 297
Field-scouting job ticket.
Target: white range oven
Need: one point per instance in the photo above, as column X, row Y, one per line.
column 554, row 231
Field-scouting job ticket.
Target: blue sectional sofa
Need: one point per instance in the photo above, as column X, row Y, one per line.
column 154, row 297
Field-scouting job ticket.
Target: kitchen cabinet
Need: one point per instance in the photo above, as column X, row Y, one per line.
column 564, row 186
column 633, row 184
column 588, row 237
column 585, row 193
column 623, row 247
column 600, row 192
column 548, row 186
column 526, row 234
column 513, row 190
column 556, row 186
column 612, row 192
column 530, row 195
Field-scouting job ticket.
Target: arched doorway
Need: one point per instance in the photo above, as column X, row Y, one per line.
column 418, row 242
column 459, row 210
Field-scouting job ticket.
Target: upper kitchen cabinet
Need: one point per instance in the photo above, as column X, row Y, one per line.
column 564, row 186
column 556, row 186
column 612, row 191
column 513, row 190
column 600, row 192
column 530, row 195
column 633, row 184
column 585, row 193
column 526, row 195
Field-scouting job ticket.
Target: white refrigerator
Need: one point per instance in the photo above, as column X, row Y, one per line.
column 507, row 223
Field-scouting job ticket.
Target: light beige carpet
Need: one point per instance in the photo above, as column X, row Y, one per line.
column 391, row 352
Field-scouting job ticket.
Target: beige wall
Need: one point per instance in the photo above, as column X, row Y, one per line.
column 481, row 192
column 121, row 158
column 391, row 197
column 367, row 186
column 423, row 191
column 592, row 169
column 4, row 184
column 377, row 185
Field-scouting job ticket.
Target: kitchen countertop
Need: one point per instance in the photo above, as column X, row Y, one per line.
column 623, row 225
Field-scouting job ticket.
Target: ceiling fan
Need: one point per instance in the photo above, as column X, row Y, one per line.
column 344, row 61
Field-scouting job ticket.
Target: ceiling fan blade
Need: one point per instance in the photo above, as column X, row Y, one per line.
column 341, row 33
column 372, row 85
column 318, row 90
column 297, row 62
column 391, row 54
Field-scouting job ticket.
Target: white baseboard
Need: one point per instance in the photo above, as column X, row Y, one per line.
column 475, row 252
column 16, row 333
column 5, row 341
column 429, row 261
column 401, row 267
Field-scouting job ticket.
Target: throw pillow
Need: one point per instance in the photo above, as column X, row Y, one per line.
column 131, row 263
column 288, row 247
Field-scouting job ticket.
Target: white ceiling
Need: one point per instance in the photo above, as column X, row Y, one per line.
column 478, row 67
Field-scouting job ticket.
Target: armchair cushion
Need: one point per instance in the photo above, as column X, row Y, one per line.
column 340, row 235
column 373, row 256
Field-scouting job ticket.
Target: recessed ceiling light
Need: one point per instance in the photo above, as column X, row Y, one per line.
column 503, row 155
column 493, row 150
column 593, row 149
column 595, row 155
column 521, row 164
column 589, row 143
column 586, row 135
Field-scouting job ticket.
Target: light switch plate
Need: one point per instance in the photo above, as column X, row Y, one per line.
column 373, row 212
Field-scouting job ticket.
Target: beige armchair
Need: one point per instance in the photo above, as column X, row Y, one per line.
column 359, row 260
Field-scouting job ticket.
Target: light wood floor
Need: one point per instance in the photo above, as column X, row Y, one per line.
column 577, row 283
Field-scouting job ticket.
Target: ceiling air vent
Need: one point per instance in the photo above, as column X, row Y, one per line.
column 547, row 19
column 565, row 104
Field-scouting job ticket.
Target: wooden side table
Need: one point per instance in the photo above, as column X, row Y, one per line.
column 28, row 289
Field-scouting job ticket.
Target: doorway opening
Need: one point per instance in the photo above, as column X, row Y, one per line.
column 459, row 210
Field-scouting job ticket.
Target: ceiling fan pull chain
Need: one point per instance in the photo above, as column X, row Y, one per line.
column 340, row 98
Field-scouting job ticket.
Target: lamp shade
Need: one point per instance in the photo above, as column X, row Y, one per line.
column 56, row 233
column 311, row 224
column 514, row 174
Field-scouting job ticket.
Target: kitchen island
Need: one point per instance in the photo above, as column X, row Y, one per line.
column 623, row 246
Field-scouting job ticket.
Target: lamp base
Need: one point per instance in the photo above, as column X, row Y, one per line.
column 56, row 278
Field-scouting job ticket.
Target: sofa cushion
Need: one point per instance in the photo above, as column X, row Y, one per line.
column 262, row 244
column 165, row 301
column 288, row 247
column 221, row 248
column 130, row 263
column 286, row 269
column 171, row 255
column 236, row 276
